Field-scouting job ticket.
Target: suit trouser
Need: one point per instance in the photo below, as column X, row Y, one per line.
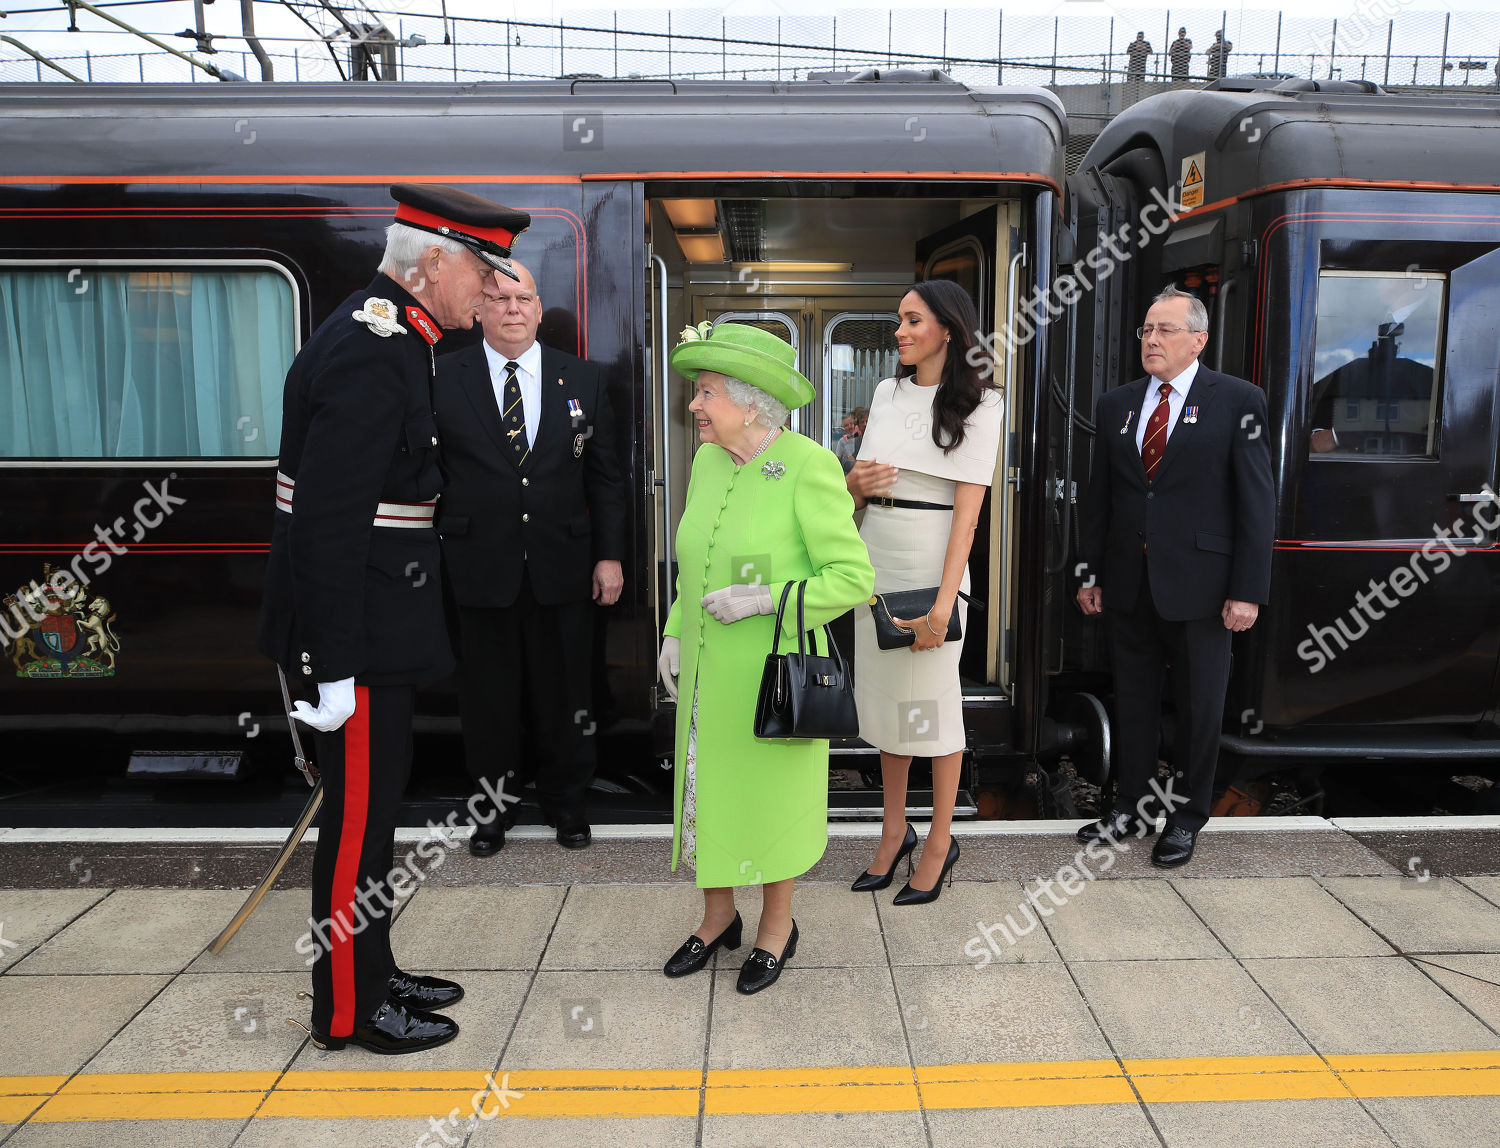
column 527, row 667
column 364, row 766
column 1142, row 644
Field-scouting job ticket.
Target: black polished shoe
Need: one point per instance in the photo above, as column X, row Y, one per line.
column 1116, row 827
column 574, row 835
column 913, row 896
column 395, row 1029
column 425, row 993
column 693, row 954
column 1175, row 847
column 868, row 882
column 761, row 969
column 487, row 840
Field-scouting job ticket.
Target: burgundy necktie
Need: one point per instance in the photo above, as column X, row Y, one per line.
column 1156, row 433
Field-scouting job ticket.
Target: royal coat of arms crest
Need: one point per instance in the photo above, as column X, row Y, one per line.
column 60, row 634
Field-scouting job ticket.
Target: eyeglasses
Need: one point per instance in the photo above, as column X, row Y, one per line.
column 1157, row 329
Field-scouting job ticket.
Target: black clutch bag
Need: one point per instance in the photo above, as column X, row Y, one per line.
column 804, row 695
column 911, row 604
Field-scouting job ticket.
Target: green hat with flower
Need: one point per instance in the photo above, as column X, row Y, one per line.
column 746, row 353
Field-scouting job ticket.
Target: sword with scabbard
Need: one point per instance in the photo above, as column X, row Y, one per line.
column 294, row 838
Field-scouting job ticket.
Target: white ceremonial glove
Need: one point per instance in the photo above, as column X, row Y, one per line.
column 335, row 706
column 668, row 663
column 739, row 601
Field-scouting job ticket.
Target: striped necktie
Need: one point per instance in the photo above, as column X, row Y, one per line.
column 514, row 415
column 1155, row 441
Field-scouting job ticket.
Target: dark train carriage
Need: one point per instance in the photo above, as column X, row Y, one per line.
column 1347, row 244
column 166, row 249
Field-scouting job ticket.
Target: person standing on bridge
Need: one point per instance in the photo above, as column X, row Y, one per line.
column 1176, row 554
column 1181, row 53
column 353, row 599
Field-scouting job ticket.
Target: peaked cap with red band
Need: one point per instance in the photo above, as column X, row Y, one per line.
column 487, row 229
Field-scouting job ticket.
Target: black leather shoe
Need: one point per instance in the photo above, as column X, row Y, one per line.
column 1116, row 827
column 868, row 882
column 425, row 993
column 1175, row 847
column 913, row 896
column 574, row 835
column 761, row 969
column 487, row 840
column 396, row 1029
column 693, row 954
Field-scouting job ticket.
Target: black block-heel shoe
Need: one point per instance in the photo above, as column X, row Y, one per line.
column 694, row 953
column 910, row 896
column 761, row 969
column 868, row 882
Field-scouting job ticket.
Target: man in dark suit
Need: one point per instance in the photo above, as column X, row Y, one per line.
column 1176, row 548
column 353, row 600
column 533, row 532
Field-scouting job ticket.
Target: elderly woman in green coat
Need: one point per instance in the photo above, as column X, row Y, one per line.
column 765, row 507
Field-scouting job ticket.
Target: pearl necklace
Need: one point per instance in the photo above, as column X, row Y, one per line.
column 765, row 442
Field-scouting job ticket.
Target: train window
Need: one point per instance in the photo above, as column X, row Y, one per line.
column 859, row 350
column 1375, row 378
column 143, row 359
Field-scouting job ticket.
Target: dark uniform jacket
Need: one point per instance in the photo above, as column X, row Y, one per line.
column 1206, row 520
column 559, row 512
column 345, row 598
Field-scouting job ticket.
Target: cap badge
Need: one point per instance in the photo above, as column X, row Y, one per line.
column 380, row 316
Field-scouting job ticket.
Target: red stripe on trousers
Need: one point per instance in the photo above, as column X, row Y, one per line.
column 346, row 862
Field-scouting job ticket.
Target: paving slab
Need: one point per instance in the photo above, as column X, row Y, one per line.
column 627, row 1019
column 132, row 1134
column 29, row 916
column 282, row 1132
column 136, row 931
column 1084, row 1126
column 1436, row 915
column 1279, row 917
column 625, row 926
column 1438, row 1121
column 479, row 927
column 1473, row 978
column 53, row 1025
column 816, row 1130
column 485, row 1018
column 1007, row 1012
column 1127, row 921
column 1268, row 1124
column 809, row 1017
column 267, row 940
column 636, row 1132
column 949, row 930
column 1487, row 887
column 1368, row 1005
column 211, row 1022
column 1184, row 1008
column 836, row 928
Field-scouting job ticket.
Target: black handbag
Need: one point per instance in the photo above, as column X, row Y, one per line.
column 804, row 695
column 911, row 604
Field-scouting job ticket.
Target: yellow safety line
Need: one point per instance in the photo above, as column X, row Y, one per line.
column 743, row 1091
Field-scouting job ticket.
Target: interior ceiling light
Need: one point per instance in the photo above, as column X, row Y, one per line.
column 703, row 246
column 691, row 213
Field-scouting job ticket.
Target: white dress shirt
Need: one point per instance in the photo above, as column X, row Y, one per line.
column 528, row 378
column 1175, row 402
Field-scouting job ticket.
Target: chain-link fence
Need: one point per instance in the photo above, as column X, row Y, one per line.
column 1132, row 50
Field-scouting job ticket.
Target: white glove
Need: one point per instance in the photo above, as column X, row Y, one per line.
column 733, row 603
column 667, row 663
column 335, row 706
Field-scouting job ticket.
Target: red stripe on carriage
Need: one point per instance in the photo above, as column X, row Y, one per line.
column 346, row 862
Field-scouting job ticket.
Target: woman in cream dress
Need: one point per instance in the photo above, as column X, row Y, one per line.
column 926, row 459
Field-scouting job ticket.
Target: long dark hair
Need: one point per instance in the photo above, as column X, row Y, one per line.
column 962, row 384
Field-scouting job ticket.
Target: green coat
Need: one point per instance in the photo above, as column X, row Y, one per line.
column 762, row 805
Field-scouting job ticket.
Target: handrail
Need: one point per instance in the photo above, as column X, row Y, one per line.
column 664, row 479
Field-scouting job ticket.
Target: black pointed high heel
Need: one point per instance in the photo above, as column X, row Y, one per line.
column 693, row 953
column 911, row 896
column 868, row 882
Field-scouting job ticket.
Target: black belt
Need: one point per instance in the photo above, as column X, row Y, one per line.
column 908, row 504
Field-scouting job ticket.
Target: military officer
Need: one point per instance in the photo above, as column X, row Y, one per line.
column 353, row 600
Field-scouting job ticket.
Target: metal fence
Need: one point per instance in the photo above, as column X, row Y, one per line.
column 1380, row 42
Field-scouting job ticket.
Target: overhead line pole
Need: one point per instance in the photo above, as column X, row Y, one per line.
column 150, row 39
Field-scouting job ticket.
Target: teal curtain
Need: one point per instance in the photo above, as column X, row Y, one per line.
column 143, row 363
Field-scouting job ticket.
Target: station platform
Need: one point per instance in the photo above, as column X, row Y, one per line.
column 1300, row 982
